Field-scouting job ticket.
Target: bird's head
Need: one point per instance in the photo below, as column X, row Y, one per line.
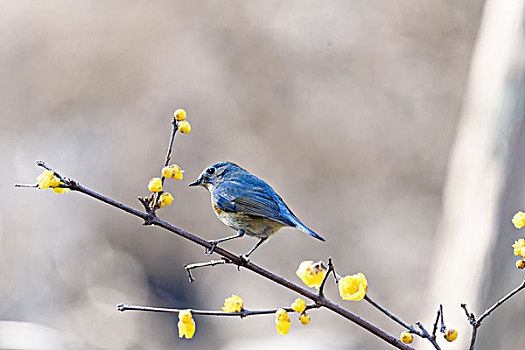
column 216, row 173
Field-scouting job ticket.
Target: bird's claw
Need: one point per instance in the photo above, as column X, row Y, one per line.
column 209, row 251
column 245, row 259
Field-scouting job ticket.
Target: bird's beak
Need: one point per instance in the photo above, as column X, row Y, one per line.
column 196, row 183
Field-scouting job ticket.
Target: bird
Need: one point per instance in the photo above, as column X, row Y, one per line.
column 247, row 204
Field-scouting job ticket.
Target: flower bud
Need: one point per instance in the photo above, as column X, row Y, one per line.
column 184, row 127
column 166, row 199
column 167, row 172
column 451, row 335
column 176, row 172
column 155, row 184
column 304, row 318
column 406, row 338
column 520, row 264
column 179, row 114
column 299, row 305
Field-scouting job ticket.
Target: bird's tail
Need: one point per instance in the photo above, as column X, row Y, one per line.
column 304, row 228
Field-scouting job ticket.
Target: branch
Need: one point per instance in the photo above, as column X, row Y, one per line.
column 428, row 336
column 501, row 301
column 434, row 329
column 321, row 301
column 476, row 323
column 174, row 127
column 190, row 267
column 410, row 328
column 443, row 329
column 330, row 269
column 241, row 314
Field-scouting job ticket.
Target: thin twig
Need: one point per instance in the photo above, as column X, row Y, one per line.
column 501, row 301
column 27, row 185
column 330, row 269
column 238, row 260
column 174, row 127
column 476, row 323
column 434, row 329
column 443, row 329
column 43, row 164
column 190, row 267
column 410, row 328
column 431, row 339
column 470, row 316
column 243, row 313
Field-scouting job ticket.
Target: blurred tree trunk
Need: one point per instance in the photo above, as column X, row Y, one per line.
column 473, row 255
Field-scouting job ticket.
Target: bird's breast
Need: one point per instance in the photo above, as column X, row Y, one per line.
column 252, row 225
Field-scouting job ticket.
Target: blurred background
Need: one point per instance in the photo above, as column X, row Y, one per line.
column 393, row 129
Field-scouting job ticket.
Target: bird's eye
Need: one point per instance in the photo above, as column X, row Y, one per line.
column 210, row 170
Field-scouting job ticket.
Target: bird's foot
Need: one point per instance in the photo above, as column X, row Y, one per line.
column 210, row 250
column 244, row 259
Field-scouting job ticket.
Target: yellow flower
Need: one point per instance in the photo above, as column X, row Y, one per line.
column 518, row 245
column 167, row 172
column 184, row 127
column 48, row 179
column 186, row 324
column 406, row 338
column 451, row 335
column 520, row 264
column 299, row 305
column 44, row 180
column 233, row 304
column 155, row 184
column 304, row 318
column 177, row 172
column 519, row 219
column 54, row 182
column 166, row 198
column 60, row 190
column 179, row 114
column 311, row 273
column 353, row 287
column 282, row 321
column 172, row 172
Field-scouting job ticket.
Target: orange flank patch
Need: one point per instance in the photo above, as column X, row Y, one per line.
column 217, row 209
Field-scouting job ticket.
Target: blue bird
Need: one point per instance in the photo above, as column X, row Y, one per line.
column 247, row 204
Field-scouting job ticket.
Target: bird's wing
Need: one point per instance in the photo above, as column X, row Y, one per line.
column 252, row 196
